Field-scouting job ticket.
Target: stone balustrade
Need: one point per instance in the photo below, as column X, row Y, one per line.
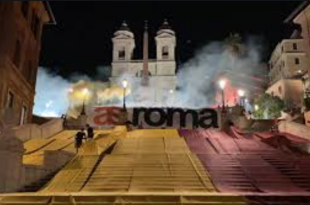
column 34, row 131
column 296, row 129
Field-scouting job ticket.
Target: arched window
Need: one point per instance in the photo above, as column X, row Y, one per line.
column 165, row 52
column 280, row 90
column 121, row 54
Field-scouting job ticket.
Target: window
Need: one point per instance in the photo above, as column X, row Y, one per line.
column 295, row 46
column 280, row 90
column 24, row 8
column 17, row 53
column 140, row 73
column 35, row 23
column 10, row 100
column 296, row 61
column 121, row 54
column 29, row 71
column 165, row 52
column 23, row 115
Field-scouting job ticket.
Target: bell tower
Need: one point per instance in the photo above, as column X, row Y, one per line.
column 123, row 44
column 165, row 42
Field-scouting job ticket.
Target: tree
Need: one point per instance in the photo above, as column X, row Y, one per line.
column 307, row 103
column 268, row 106
column 234, row 44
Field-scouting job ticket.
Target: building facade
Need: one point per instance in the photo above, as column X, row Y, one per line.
column 301, row 17
column 289, row 90
column 161, row 72
column 289, row 64
column 21, row 24
column 288, row 60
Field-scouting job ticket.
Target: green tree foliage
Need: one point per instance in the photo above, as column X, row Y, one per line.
column 268, row 107
column 234, row 44
column 307, row 103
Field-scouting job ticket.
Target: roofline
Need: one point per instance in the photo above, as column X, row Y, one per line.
column 296, row 12
column 50, row 13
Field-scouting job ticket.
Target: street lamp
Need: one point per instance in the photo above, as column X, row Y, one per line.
column 85, row 92
column 70, row 91
column 170, row 102
column 256, row 107
column 222, row 84
column 125, row 83
column 241, row 96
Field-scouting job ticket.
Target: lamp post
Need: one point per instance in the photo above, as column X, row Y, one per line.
column 125, row 83
column 256, row 107
column 70, row 91
column 171, row 91
column 85, row 92
column 241, row 96
column 222, row 84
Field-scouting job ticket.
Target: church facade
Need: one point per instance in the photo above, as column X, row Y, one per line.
column 149, row 80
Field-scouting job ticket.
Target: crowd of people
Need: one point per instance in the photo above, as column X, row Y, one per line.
column 81, row 135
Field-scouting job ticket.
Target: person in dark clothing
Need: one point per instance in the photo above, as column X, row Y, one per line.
column 79, row 139
column 90, row 132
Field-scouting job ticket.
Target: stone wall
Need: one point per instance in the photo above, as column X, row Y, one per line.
column 14, row 175
column 307, row 118
column 53, row 161
column 34, row 131
column 296, row 129
column 11, row 171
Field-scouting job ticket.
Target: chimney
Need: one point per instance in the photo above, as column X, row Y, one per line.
column 145, row 73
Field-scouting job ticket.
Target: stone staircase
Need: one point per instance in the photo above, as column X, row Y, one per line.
column 167, row 169
column 36, row 186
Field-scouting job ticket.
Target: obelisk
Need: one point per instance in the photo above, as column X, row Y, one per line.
column 145, row 72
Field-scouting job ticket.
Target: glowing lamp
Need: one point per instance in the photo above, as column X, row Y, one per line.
column 85, row 91
column 171, row 91
column 125, row 83
column 256, row 107
column 241, row 93
column 222, row 84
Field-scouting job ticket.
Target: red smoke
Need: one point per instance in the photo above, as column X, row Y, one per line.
column 230, row 95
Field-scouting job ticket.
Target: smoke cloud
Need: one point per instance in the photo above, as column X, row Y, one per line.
column 51, row 94
column 196, row 83
column 199, row 76
column 55, row 95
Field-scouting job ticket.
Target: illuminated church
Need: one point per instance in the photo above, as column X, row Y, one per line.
column 150, row 80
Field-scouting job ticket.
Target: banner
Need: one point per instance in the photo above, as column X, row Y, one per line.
column 154, row 117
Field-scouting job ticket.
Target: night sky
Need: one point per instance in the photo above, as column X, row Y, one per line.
column 81, row 40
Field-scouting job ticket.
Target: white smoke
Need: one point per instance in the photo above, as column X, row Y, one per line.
column 52, row 91
column 196, row 82
column 198, row 77
column 51, row 94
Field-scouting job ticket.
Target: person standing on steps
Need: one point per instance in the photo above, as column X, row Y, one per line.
column 79, row 139
column 90, row 132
